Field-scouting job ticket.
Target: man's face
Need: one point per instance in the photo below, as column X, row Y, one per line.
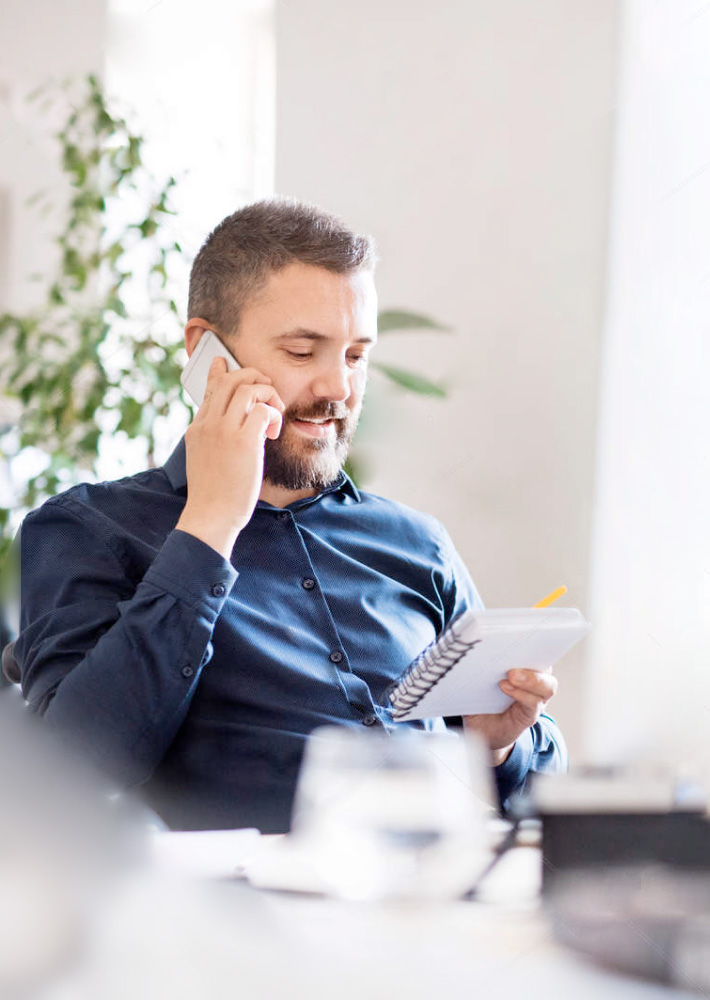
column 311, row 331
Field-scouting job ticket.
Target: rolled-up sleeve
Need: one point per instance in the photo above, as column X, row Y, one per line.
column 113, row 664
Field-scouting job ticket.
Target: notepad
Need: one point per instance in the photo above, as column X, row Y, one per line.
column 458, row 674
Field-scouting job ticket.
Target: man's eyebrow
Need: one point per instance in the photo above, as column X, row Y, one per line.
column 301, row 333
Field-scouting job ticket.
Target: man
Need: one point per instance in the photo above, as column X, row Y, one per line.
column 189, row 626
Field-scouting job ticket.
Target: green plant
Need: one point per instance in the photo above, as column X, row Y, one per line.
column 101, row 356
column 80, row 368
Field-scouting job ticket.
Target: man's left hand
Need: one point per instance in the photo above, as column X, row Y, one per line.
column 530, row 690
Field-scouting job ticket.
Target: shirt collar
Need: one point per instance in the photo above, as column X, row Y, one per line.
column 174, row 468
column 175, row 471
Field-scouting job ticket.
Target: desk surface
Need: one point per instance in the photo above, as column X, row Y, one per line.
column 179, row 939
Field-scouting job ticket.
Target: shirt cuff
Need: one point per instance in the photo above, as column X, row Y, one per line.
column 511, row 774
column 192, row 571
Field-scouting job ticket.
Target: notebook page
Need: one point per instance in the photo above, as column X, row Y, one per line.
column 532, row 642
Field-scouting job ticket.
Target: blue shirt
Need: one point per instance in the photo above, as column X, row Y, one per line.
column 198, row 680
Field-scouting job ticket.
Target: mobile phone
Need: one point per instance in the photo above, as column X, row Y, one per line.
column 195, row 372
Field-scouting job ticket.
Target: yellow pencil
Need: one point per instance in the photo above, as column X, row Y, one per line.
column 551, row 598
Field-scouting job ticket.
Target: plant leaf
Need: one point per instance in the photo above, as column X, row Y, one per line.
column 411, row 381
column 400, row 319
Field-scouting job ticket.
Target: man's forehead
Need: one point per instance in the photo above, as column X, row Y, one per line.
column 310, row 303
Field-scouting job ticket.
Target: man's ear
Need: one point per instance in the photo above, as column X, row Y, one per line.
column 194, row 328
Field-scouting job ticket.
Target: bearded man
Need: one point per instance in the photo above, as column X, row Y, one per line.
column 189, row 626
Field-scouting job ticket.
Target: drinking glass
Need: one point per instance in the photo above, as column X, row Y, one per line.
column 398, row 815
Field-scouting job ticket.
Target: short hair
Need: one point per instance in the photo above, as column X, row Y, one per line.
column 240, row 254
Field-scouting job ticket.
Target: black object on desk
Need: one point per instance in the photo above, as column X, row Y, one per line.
column 602, row 817
column 626, row 872
column 680, row 840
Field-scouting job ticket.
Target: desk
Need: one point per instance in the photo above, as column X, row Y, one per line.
column 189, row 939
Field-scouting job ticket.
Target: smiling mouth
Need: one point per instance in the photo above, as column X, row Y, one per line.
column 316, row 428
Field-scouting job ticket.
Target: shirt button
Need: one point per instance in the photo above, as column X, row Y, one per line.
column 218, row 590
column 283, row 516
column 187, row 671
column 336, row 656
column 369, row 720
column 308, row 584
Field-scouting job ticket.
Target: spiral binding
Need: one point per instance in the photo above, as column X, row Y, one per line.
column 427, row 670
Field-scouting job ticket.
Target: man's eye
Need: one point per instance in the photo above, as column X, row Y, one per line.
column 358, row 359
column 295, row 354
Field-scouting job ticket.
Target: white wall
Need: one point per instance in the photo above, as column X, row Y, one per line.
column 649, row 685
column 473, row 139
column 41, row 43
column 199, row 82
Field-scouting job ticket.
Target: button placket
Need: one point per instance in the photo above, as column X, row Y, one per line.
column 310, row 583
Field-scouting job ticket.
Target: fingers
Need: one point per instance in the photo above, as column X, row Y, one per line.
column 262, row 421
column 217, row 368
column 537, row 682
column 524, row 698
column 244, row 399
column 530, row 691
column 239, row 390
column 532, row 688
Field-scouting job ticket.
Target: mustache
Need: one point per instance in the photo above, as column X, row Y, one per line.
column 318, row 411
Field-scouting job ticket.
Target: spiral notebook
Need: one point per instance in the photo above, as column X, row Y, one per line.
column 458, row 674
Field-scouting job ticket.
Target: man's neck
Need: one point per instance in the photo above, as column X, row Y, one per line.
column 279, row 496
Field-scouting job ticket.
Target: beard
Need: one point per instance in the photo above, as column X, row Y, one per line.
column 294, row 462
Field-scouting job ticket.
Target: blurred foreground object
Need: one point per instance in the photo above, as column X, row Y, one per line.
column 651, row 921
column 601, row 816
column 626, row 871
column 399, row 815
column 62, row 842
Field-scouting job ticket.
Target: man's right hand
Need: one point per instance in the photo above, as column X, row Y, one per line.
column 225, row 454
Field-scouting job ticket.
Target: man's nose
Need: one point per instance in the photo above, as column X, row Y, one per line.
column 332, row 383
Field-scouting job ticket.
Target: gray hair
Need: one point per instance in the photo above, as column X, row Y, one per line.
column 238, row 256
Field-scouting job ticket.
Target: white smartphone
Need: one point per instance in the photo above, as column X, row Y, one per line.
column 195, row 372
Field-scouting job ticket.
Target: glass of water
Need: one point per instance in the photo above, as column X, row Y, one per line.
column 397, row 815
